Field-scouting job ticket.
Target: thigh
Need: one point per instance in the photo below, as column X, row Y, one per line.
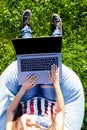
column 73, row 116
column 31, row 93
column 73, row 93
column 48, row 91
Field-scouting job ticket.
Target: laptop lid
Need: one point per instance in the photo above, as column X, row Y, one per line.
column 34, row 48
column 37, row 45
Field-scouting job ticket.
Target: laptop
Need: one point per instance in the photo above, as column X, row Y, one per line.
column 36, row 55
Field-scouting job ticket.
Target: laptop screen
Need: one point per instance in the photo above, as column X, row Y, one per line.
column 37, row 45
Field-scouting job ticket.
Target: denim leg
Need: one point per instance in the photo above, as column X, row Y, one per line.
column 26, row 32
column 57, row 32
column 49, row 93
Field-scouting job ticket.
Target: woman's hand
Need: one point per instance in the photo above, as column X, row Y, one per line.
column 30, row 82
column 54, row 125
column 54, row 74
column 57, row 122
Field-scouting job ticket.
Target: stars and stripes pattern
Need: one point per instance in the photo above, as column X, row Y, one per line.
column 39, row 106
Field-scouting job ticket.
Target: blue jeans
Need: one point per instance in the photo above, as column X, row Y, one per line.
column 71, row 87
column 27, row 33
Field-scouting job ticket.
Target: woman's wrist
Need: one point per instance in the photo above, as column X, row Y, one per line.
column 56, row 84
column 23, row 88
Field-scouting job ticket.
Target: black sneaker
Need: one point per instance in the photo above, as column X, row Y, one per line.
column 56, row 22
column 26, row 18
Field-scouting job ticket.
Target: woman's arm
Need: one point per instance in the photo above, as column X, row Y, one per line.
column 28, row 84
column 58, row 121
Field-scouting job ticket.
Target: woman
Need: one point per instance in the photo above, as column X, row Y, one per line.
column 37, row 113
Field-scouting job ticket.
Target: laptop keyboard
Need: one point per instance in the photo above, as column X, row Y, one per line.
column 38, row 64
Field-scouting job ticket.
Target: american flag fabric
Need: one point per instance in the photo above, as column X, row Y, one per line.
column 41, row 110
